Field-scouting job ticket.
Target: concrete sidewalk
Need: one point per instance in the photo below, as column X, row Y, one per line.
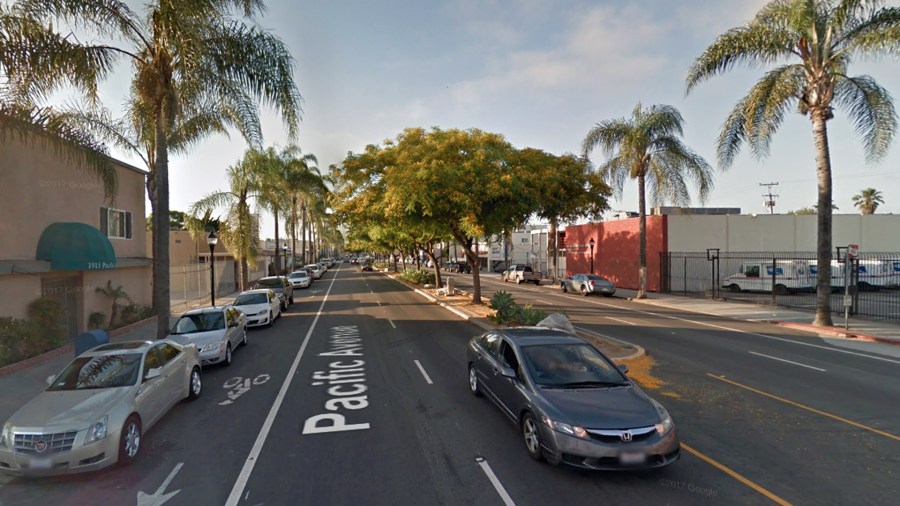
column 19, row 385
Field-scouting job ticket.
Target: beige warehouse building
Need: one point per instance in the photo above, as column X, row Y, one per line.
column 60, row 238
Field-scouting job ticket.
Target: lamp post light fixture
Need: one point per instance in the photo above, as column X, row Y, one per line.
column 212, row 240
column 591, row 242
column 284, row 249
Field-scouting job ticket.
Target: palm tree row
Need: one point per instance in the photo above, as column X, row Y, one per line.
column 198, row 67
column 287, row 184
column 812, row 42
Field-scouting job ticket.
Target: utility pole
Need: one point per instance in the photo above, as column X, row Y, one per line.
column 770, row 198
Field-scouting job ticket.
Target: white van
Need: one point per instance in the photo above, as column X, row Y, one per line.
column 837, row 273
column 790, row 276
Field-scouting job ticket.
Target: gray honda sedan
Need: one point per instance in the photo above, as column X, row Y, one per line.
column 572, row 405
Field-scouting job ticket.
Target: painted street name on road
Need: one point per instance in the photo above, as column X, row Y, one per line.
column 346, row 383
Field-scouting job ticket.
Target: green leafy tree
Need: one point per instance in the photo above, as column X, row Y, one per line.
column 868, row 200
column 187, row 56
column 647, row 147
column 817, row 39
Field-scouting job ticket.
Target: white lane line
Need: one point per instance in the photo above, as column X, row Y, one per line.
column 783, row 360
column 507, row 500
column 378, row 302
column 621, row 321
column 392, row 323
column 542, row 302
column 422, row 370
column 235, row 496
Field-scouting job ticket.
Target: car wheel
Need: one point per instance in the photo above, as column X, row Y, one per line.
column 781, row 290
column 584, row 291
column 734, row 287
column 244, row 339
column 562, row 286
column 474, row 387
column 271, row 319
column 607, row 295
column 518, row 281
column 282, row 306
column 130, row 440
column 292, row 299
column 196, row 384
column 531, row 435
column 228, row 355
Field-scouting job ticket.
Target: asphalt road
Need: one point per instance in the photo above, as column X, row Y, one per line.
column 358, row 396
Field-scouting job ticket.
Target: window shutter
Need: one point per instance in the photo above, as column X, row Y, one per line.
column 104, row 220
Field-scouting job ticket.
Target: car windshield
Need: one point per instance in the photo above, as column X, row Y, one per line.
column 269, row 283
column 571, row 366
column 106, row 371
column 199, row 322
column 245, row 299
column 295, row 275
column 313, row 267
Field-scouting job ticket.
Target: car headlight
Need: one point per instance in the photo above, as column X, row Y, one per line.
column 264, row 311
column 569, row 430
column 97, row 430
column 666, row 424
column 211, row 346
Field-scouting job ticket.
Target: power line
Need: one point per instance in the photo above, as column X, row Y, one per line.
column 770, row 198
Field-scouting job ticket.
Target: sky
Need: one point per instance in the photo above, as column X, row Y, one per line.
column 540, row 72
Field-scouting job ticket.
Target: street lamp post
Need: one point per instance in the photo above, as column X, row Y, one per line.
column 592, row 254
column 212, row 240
column 284, row 250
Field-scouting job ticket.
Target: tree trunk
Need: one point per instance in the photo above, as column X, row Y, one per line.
column 554, row 254
column 642, row 231
column 154, row 253
column 278, row 270
column 294, row 231
column 472, row 258
column 161, row 227
column 245, row 274
column 823, row 245
column 437, row 268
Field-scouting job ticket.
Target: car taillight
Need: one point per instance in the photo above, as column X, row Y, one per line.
column 592, row 283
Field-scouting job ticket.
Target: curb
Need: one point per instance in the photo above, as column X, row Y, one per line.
column 640, row 351
column 835, row 332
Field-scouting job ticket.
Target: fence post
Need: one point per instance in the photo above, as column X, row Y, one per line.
column 684, row 281
column 774, row 273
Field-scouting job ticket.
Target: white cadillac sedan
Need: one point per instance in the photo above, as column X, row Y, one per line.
column 96, row 410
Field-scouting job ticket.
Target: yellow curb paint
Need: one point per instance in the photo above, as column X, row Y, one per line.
column 727, row 470
column 807, row 408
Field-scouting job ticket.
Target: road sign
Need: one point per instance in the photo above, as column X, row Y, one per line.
column 852, row 251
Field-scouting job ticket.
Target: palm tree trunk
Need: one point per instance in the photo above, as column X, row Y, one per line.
column 294, row 229
column 245, row 274
column 161, row 227
column 642, row 232
column 278, row 270
column 304, row 244
column 823, row 246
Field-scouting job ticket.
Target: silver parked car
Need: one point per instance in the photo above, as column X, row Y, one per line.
column 587, row 284
column 96, row 410
column 215, row 331
column 300, row 279
column 260, row 307
column 572, row 405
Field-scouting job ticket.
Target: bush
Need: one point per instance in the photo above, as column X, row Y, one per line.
column 133, row 313
column 417, row 277
column 41, row 332
column 505, row 306
column 530, row 316
column 96, row 320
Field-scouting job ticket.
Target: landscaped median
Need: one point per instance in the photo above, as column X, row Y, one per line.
column 481, row 315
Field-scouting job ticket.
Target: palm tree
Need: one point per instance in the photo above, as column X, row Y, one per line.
column 114, row 294
column 187, row 56
column 817, row 39
column 239, row 230
column 868, row 200
column 302, row 178
column 647, row 147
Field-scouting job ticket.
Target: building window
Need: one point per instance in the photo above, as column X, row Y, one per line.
column 115, row 223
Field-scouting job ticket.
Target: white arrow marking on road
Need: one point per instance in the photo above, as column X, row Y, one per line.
column 158, row 498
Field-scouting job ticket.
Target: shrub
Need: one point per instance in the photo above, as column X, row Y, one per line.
column 41, row 332
column 417, row 277
column 96, row 320
column 13, row 335
column 530, row 316
column 505, row 306
column 133, row 313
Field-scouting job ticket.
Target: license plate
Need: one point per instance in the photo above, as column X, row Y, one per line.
column 632, row 458
column 41, row 464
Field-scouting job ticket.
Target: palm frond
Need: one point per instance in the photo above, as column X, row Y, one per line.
column 871, row 110
column 606, row 135
column 112, row 18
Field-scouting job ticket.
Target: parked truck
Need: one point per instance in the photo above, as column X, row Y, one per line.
column 789, row 276
column 521, row 273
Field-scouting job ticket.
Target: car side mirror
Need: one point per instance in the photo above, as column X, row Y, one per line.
column 623, row 368
column 50, row 379
column 508, row 372
column 152, row 374
column 232, row 324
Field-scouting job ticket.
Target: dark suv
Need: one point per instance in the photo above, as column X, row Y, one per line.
column 458, row 267
column 282, row 287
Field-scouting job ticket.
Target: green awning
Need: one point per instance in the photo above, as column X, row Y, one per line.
column 75, row 247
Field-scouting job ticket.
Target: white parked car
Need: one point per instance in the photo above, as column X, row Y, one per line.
column 300, row 279
column 260, row 307
column 215, row 331
column 316, row 270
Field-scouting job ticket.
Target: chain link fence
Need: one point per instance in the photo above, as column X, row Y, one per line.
column 787, row 279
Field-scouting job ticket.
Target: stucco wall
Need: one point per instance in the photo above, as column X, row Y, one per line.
column 616, row 250
column 16, row 292
column 780, row 232
column 39, row 187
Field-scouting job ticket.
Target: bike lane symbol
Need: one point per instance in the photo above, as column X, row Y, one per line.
column 238, row 386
